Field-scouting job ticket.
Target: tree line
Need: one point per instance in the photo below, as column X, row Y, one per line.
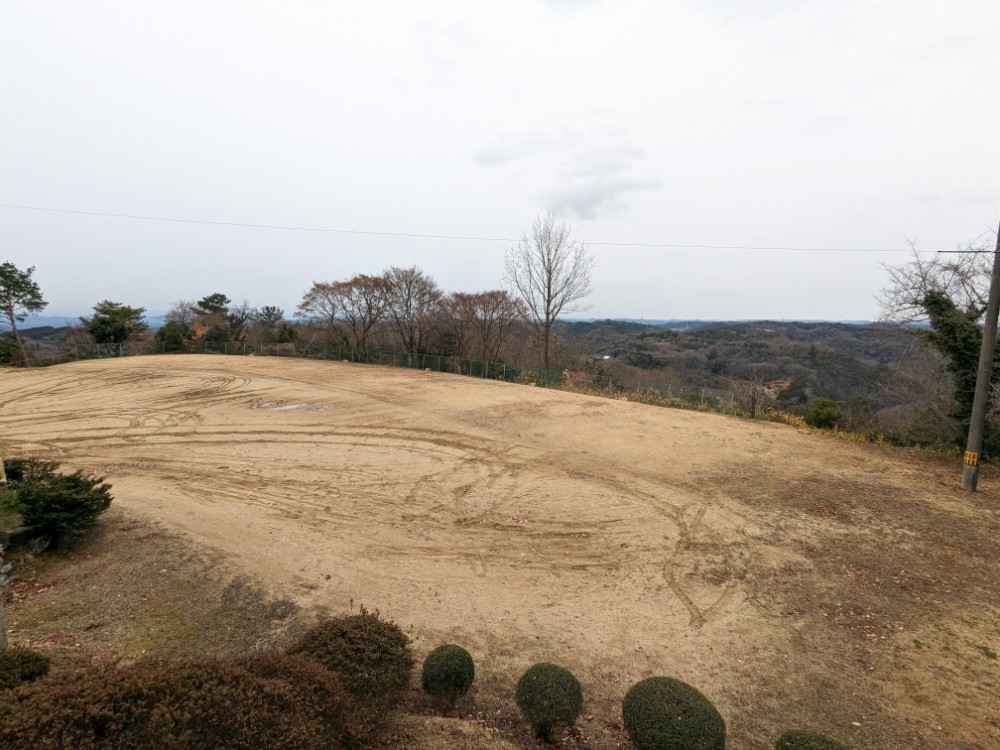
column 547, row 273
column 927, row 399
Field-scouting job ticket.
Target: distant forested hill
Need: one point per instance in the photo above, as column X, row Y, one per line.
column 797, row 362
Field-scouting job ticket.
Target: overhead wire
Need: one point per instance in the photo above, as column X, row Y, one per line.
column 414, row 235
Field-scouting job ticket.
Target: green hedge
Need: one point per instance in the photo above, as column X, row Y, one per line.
column 661, row 713
column 448, row 673
column 548, row 696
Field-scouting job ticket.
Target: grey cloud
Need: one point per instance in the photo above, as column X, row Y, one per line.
column 601, row 162
column 589, row 200
column 513, row 147
column 594, row 172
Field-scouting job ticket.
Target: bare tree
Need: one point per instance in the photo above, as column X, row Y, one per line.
column 321, row 303
column 481, row 324
column 496, row 313
column 963, row 277
column 321, row 306
column 413, row 298
column 457, row 319
column 550, row 272
column 183, row 313
column 949, row 292
column 239, row 318
column 364, row 301
column 750, row 392
column 922, row 393
column 352, row 308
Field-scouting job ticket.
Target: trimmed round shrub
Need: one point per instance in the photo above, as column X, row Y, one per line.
column 802, row 739
column 371, row 656
column 448, row 673
column 271, row 702
column 661, row 713
column 549, row 695
column 20, row 665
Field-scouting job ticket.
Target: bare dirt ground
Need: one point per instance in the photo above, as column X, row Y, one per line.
column 797, row 580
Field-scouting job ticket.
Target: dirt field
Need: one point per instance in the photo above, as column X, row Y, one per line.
column 797, row 580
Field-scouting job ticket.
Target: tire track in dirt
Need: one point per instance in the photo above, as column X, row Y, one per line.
column 534, row 525
column 384, row 483
column 472, row 486
column 652, row 494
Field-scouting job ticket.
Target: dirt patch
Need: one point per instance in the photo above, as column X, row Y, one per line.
column 784, row 574
column 132, row 588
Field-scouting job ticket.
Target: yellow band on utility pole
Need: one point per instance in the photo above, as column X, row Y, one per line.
column 971, row 458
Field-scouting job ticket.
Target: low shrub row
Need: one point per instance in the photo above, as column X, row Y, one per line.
column 275, row 701
column 333, row 688
column 659, row 713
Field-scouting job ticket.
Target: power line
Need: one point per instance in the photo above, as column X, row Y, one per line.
column 293, row 228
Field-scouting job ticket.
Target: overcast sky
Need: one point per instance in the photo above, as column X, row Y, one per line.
column 790, row 123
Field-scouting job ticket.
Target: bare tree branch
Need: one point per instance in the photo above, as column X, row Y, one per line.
column 550, row 273
column 413, row 298
column 963, row 277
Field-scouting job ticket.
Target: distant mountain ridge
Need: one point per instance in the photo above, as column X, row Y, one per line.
column 60, row 321
column 678, row 324
column 681, row 324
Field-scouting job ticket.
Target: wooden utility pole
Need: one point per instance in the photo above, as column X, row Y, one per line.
column 981, row 401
